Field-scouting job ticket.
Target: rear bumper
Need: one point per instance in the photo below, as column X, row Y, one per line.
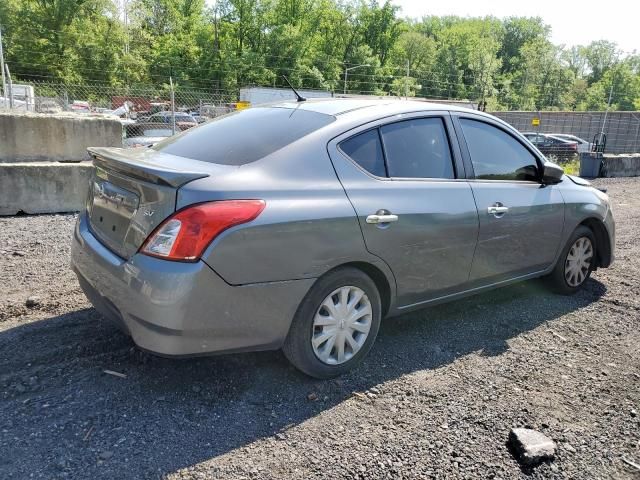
column 173, row 308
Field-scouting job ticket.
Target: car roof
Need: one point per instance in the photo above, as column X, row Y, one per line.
column 351, row 112
column 332, row 106
column 167, row 113
column 568, row 135
column 557, row 136
column 134, row 126
column 343, row 106
column 552, row 135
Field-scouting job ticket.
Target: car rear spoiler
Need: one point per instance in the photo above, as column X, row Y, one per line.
column 144, row 164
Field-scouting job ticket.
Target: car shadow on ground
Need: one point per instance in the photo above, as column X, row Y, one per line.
column 62, row 415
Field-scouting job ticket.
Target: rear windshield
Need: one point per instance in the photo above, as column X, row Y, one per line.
column 244, row 136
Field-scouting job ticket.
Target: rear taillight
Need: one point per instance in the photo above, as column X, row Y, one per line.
column 187, row 233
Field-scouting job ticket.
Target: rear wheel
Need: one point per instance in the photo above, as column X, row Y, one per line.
column 335, row 325
column 576, row 262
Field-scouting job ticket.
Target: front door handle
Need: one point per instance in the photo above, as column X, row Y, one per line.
column 382, row 218
column 497, row 210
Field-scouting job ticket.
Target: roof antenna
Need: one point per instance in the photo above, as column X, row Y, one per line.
column 300, row 97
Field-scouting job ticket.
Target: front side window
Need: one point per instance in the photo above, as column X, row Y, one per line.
column 417, row 148
column 496, row 155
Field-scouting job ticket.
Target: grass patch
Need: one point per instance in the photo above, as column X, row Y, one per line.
column 571, row 167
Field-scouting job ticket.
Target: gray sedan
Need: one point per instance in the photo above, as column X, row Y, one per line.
column 145, row 134
column 301, row 225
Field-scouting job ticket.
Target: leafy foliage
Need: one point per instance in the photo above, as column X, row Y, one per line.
column 501, row 64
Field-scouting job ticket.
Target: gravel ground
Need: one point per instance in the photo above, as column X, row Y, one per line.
column 436, row 397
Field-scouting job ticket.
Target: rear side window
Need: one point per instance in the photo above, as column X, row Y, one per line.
column 244, row 136
column 365, row 149
column 417, row 148
column 496, row 155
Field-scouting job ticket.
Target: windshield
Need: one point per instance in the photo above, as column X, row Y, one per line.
column 245, row 136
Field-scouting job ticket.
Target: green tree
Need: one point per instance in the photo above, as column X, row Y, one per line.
column 507, row 63
column 601, row 55
column 622, row 83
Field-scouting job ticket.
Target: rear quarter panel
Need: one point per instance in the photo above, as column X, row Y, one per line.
column 308, row 225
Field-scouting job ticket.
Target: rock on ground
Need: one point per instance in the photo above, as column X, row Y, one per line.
column 531, row 446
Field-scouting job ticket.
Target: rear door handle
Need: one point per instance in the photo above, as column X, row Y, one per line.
column 382, row 218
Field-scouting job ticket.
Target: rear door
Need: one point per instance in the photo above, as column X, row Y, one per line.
column 521, row 220
column 415, row 208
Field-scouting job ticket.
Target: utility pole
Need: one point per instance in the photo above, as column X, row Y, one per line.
column 345, row 81
column 125, row 18
column 406, row 83
column 173, row 108
column 10, row 85
column 346, row 70
column 4, row 83
column 606, row 113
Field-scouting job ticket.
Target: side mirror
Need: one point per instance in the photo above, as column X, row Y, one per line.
column 552, row 173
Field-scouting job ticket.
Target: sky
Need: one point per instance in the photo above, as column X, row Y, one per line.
column 572, row 22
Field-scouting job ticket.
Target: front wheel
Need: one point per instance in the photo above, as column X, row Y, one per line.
column 576, row 262
column 335, row 325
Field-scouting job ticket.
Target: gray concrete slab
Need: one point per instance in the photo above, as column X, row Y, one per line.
column 33, row 137
column 43, row 187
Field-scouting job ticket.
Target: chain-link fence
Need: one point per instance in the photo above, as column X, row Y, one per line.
column 150, row 113
column 610, row 132
column 125, row 101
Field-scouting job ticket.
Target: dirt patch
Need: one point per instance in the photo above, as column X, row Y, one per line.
column 436, row 397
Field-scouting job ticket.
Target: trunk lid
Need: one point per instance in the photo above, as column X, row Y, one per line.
column 133, row 191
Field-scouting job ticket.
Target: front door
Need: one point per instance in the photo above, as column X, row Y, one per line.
column 414, row 212
column 521, row 220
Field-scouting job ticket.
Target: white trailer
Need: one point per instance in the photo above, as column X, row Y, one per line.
column 23, row 98
column 259, row 95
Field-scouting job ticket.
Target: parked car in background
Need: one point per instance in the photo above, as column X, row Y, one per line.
column 200, row 118
column 80, row 106
column 183, row 120
column 552, row 146
column 209, row 110
column 20, row 105
column 48, row 106
column 583, row 145
column 145, row 134
column 343, row 212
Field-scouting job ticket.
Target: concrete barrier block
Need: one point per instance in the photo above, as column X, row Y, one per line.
column 33, row 137
column 622, row 165
column 43, row 187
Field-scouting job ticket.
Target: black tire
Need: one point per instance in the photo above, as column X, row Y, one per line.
column 556, row 279
column 297, row 346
